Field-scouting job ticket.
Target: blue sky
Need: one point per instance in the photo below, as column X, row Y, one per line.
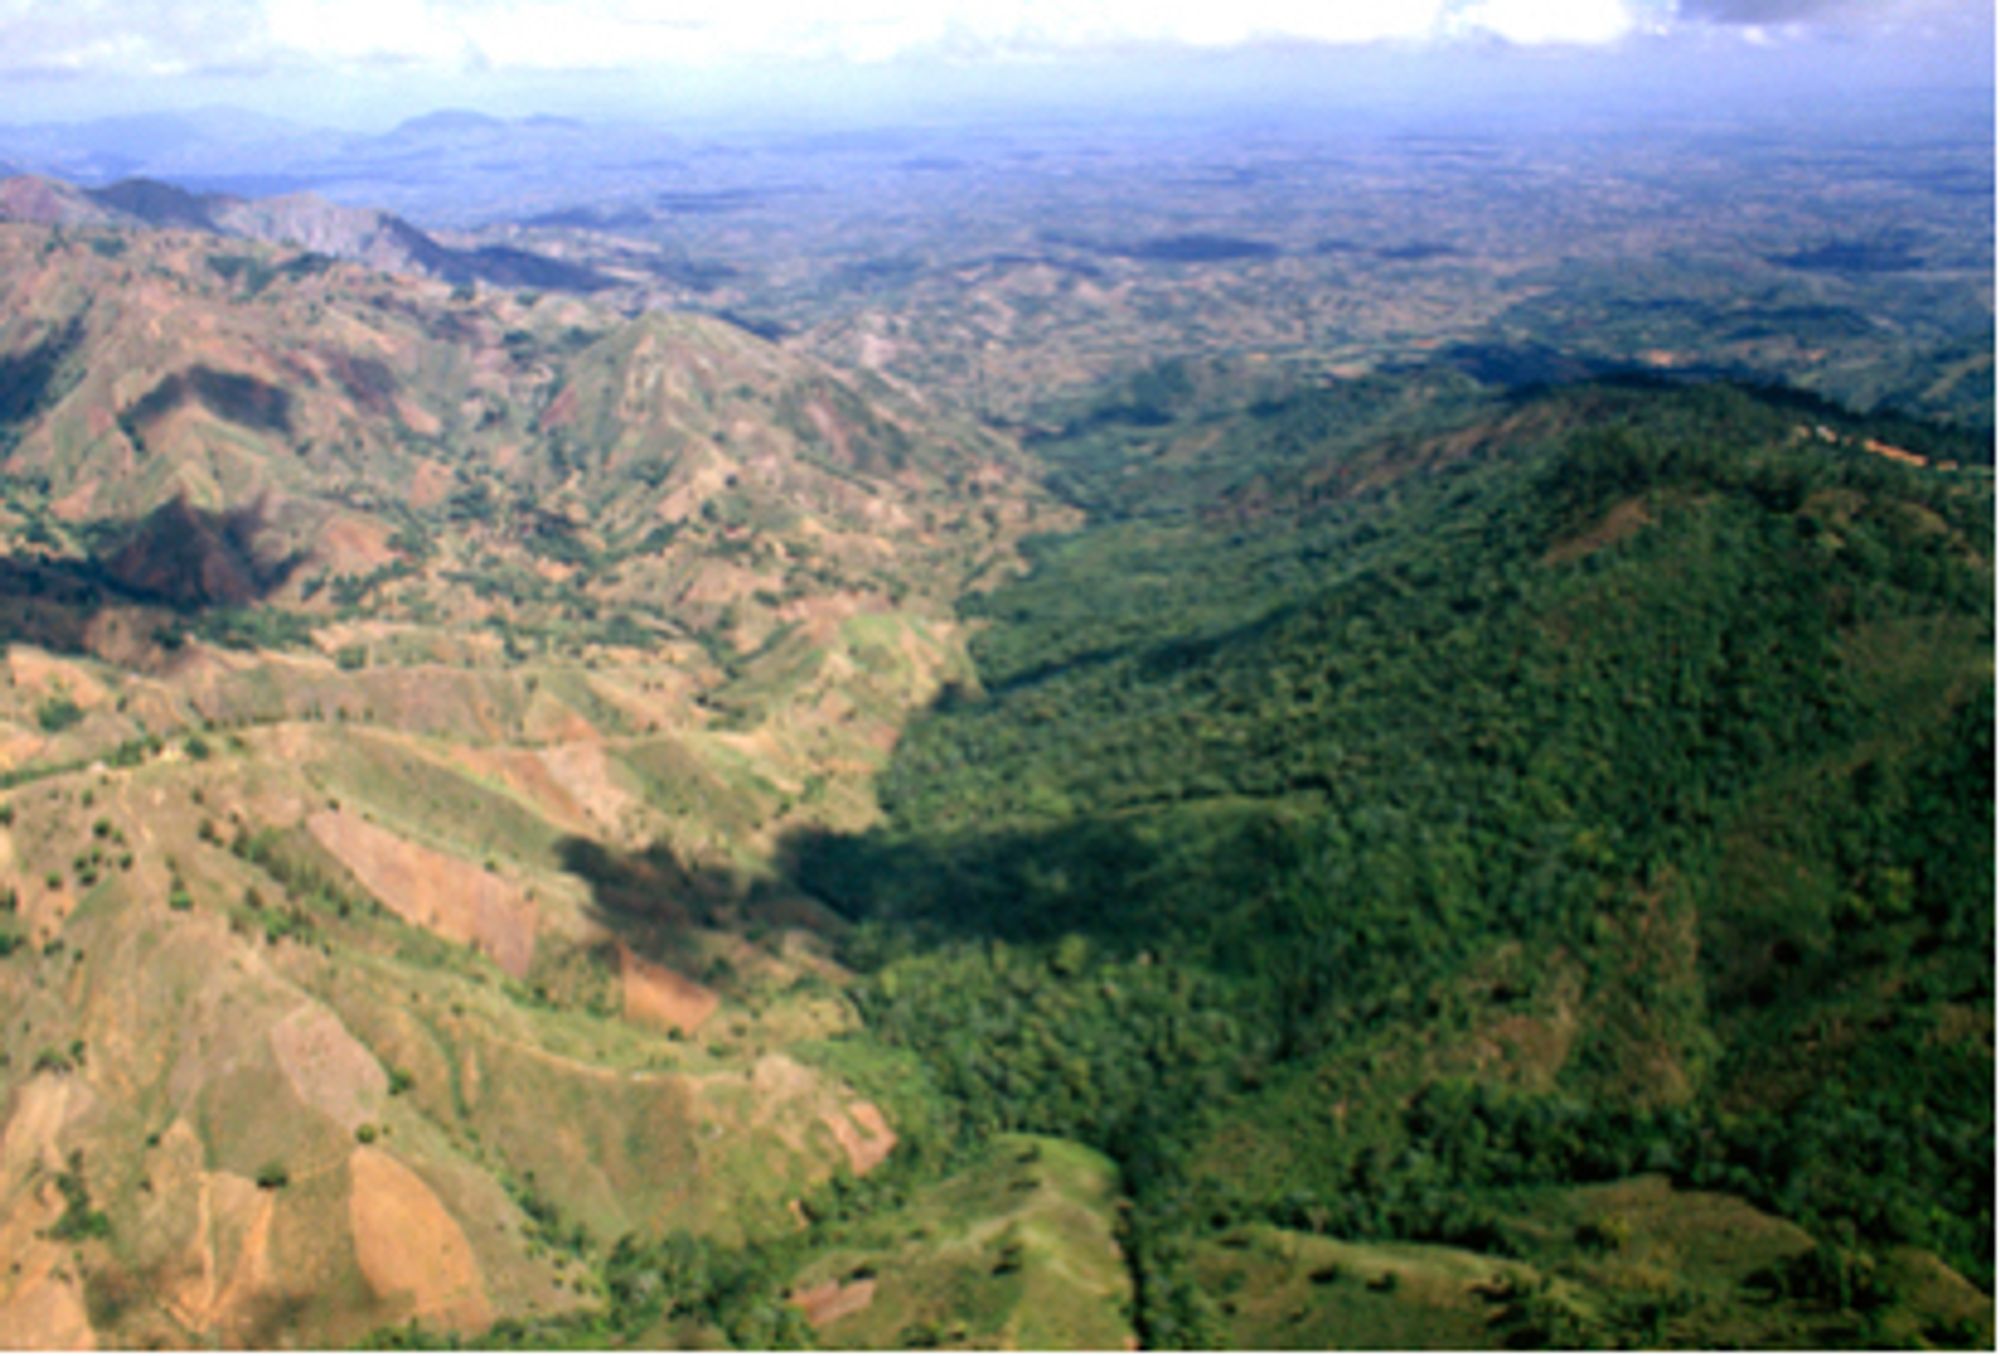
column 368, row 62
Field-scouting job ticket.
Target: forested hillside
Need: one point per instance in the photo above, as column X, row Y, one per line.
column 1613, row 798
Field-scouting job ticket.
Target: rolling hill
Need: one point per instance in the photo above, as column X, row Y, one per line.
column 533, row 826
column 400, row 687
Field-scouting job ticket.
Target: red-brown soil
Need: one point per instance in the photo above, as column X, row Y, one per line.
column 658, row 997
column 453, row 898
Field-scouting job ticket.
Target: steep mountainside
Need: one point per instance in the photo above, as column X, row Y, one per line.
column 527, row 824
column 403, row 694
column 301, row 220
column 1528, row 858
column 142, row 369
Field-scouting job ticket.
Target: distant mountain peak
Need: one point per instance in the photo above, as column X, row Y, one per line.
column 307, row 221
column 159, row 203
column 49, row 202
column 449, row 120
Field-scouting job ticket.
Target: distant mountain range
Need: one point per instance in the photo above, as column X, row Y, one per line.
column 420, row 165
column 379, row 239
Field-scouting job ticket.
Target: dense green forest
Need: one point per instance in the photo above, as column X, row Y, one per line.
column 1635, row 720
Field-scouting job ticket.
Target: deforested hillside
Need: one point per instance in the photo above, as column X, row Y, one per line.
column 403, row 691
column 305, row 221
column 141, row 368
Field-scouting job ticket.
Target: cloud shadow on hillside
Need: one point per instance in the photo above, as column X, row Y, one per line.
column 649, row 899
column 1100, row 877
column 178, row 562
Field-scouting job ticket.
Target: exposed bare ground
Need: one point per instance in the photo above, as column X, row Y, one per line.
column 686, row 499
column 351, row 545
column 780, row 1078
column 46, row 1103
column 408, row 1244
column 1893, row 453
column 417, row 419
column 45, row 910
column 228, row 1262
column 41, row 1303
column 75, row 506
column 328, row 1069
column 1624, row 520
column 41, row 1299
column 527, row 775
column 548, row 721
column 656, row 996
column 829, row 1301
column 1874, row 445
column 781, row 1091
column 18, row 747
column 864, row 1135
column 430, row 484
column 584, row 771
column 452, row 898
column 43, row 674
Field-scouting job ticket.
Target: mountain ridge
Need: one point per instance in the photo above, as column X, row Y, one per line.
column 305, row 220
column 432, row 673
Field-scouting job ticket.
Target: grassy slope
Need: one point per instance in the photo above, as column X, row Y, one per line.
column 1015, row 1250
column 291, row 825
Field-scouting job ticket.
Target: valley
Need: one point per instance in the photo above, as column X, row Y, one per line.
column 1023, row 737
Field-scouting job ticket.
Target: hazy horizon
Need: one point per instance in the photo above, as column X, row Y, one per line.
column 367, row 68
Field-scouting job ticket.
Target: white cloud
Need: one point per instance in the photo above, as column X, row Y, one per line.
column 114, row 37
column 91, row 37
column 1535, row 22
column 548, row 34
column 362, row 29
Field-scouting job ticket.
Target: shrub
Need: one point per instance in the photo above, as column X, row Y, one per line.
column 78, row 1220
column 58, row 713
column 1607, row 1233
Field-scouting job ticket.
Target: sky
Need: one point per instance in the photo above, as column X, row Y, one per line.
column 369, row 62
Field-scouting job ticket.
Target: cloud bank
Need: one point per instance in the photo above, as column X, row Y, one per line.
column 143, row 38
